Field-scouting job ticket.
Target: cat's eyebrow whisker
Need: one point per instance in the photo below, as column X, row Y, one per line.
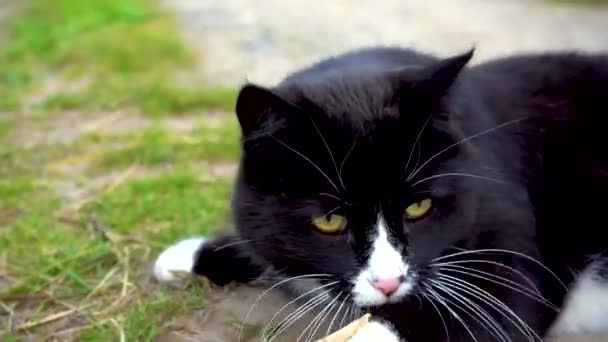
column 413, row 174
column 506, row 251
column 333, row 210
column 419, row 155
column 319, row 275
column 416, row 142
column 333, row 160
column 457, row 174
column 308, row 160
column 344, row 161
column 475, row 311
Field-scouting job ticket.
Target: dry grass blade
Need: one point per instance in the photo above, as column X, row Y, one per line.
column 11, row 314
column 121, row 331
column 120, row 179
column 50, row 318
column 102, row 122
column 348, row 331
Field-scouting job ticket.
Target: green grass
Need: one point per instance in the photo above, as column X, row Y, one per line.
column 163, row 208
column 152, row 96
column 123, row 53
column 83, row 253
column 71, row 263
column 156, row 145
column 5, row 127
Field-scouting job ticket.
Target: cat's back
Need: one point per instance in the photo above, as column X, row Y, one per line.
column 362, row 61
column 555, row 79
column 561, row 99
column 561, row 94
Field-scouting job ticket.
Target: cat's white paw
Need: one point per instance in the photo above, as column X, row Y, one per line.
column 375, row 331
column 179, row 257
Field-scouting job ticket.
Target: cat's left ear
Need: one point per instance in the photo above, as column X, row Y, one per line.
column 256, row 105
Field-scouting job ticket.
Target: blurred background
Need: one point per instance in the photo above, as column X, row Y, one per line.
column 117, row 137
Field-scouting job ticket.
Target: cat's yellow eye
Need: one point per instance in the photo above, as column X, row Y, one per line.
column 329, row 224
column 417, row 210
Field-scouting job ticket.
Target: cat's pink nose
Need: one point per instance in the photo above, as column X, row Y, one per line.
column 388, row 286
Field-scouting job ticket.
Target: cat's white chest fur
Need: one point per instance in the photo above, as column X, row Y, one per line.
column 586, row 306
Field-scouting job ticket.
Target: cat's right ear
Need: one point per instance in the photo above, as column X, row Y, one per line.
column 425, row 86
column 255, row 104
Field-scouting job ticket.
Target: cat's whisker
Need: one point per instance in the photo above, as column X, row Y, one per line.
column 308, row 160
column 495, row 304
column 478, row 314
column 240, row 242
column 344, row 161
column 331, row 323
column 297, row 315
column 419, row 302
column 419, row 155
column 323, row 315
column 445, row 326
column 294, row 316
column 416, row 142
column 442, row 300
column 330, row 195
column 269, row 324
column 333, row 160
column 503, row 282
column 333, row 210
column 492, row 301
column 346, row 314
column 356, row 313
column 457, row 174
column 416, row 171
column 312, row 323
column 506, row 251
column 495, row 263
column 320, row 275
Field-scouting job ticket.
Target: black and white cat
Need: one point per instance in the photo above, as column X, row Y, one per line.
column 453, row 203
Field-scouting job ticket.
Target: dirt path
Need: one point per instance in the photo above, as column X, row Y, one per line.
column 263, row 40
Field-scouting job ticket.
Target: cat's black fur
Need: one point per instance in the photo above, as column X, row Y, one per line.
column 531, row 130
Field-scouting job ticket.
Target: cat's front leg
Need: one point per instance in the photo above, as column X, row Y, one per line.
column 222, row 260
column 376, row 331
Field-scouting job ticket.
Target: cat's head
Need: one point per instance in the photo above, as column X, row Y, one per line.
column 345, row 174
